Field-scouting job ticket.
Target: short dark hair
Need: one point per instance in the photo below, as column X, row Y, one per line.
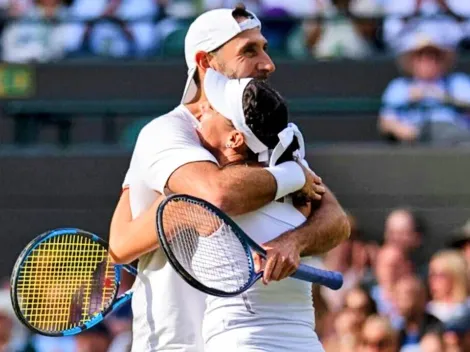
column 266, row 115
column 240, row 12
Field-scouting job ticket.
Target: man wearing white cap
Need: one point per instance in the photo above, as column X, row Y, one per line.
column 168, row 157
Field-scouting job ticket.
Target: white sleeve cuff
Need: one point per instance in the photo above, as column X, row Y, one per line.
column 289, row 178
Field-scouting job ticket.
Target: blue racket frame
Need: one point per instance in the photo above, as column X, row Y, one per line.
column 117, row 302
column 330, row 279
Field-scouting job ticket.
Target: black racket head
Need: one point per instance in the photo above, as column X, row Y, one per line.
column 205, row 246
column 63, row 282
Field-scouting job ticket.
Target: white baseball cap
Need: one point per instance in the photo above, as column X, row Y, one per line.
column 207, row 33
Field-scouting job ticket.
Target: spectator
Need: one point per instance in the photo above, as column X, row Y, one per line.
column 37, row 37
column 431, row 342
column 353, row 258
column 431, row 104
column 347, row 333
column 448, row 283
column 343, row 36
column 402, row 15
column 404, row 230
column 348, row 323
column 391, row 264
column 96, row 339
column 13, row 335
column 378, row 336
column 410, row 300
column 360, row 303
column 461, row 241
column 457, row 335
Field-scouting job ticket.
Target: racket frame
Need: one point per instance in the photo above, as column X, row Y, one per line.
column 247, row 243
column 116, row 302
column 330, row 279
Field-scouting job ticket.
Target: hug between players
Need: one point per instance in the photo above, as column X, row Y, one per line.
column 218, row 145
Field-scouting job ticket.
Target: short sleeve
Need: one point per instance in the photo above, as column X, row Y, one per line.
column 395, row 95
column 164, row 145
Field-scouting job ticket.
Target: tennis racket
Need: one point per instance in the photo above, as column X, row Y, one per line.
column 212, row 253
column 64, row 283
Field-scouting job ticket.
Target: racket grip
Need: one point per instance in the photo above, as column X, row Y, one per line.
column 330, row 279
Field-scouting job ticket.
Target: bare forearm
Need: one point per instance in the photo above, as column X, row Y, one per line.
column 236, row 189
column 129, row 239
column 325, row 228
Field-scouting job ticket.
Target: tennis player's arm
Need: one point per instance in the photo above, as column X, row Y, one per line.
column 129, row 239
column 169, row 155
column 235, row 190
column 325, row 228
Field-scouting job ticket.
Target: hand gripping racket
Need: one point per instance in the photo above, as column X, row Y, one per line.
column 64, row 283
column 212, row 253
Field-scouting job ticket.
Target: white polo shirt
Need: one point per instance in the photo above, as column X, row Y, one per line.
column 278, row 317
column 167, row 312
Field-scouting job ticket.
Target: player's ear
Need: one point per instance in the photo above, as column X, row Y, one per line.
column 236, row 139
column 202, row 61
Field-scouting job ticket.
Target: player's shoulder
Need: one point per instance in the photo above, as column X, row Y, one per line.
column 175, row 121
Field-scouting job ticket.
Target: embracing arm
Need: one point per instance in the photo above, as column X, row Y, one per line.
column 235, row 190
column 129, row 239
column 324, row 229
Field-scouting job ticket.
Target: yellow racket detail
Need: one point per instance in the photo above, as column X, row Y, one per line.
column 63, row 281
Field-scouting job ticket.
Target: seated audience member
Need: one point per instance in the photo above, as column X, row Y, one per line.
column 431, row 104
column 38, row 36
column 353, row 258
column 360, row 303
column 343, row 36
column 461, row 241
column 410, row 300
column 96, row 339
column 348, row 323
column 403, row 14
column 431, row 342
column 13, row 335
column 404, row 230
column 378, row 336
column 390, row 266
column 347, row 331
column 448, row 284
column 457, row 334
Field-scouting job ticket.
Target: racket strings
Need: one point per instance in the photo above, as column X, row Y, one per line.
column 64, row 282
column 206, row 247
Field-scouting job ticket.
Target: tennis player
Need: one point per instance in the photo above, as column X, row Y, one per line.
column 168, row 156
column 242, row 121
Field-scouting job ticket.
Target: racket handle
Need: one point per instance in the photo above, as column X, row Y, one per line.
column 330, row 279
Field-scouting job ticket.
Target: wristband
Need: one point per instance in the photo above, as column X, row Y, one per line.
column 289, row 177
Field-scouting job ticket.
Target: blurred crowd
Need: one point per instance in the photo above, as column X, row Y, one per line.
column 429, row 103
column 44, row 30
column 393, row 300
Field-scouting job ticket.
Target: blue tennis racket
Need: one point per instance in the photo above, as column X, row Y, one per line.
column 212, row 253
column 64, row 283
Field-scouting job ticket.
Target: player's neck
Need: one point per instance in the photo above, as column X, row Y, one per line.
column 195, row 105
column 229, row 157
